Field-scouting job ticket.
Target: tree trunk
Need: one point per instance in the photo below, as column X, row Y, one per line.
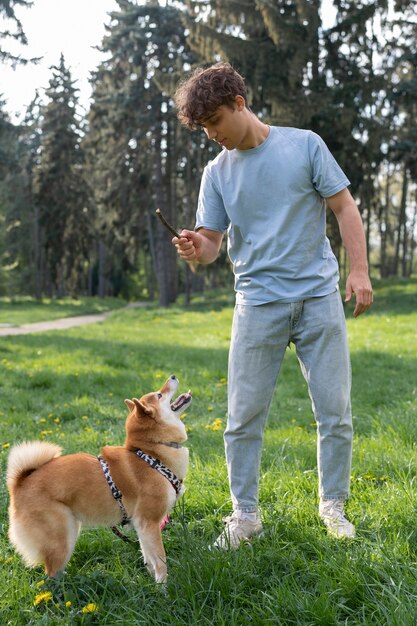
column 412, row 239
column 101, row 269
column 401, row 221
column 166, row 261
column 384, row 227
column 148, row 270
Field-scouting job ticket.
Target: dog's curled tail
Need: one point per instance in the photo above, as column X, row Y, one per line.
column 27, row 457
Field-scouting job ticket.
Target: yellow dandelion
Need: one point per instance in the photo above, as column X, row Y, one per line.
column 216, row 425
column 210, row 408
column 40, row 583
column 45, row 596
column 90, row 608
column 6, row 445
column 57, row 420
column 88, row 429
column 84, row 417
column 189, row 429
column 42, row 420
column 68, row 604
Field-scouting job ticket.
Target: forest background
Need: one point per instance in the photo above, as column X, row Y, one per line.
column 78, row 192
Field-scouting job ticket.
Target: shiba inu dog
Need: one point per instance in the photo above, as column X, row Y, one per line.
column 53, row 496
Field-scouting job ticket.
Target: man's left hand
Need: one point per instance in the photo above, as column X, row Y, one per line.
column 358, row 283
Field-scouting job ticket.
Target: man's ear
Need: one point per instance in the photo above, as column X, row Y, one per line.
column 240, row 103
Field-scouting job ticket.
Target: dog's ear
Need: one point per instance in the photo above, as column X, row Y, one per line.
column 143, row 407
column 130, row 405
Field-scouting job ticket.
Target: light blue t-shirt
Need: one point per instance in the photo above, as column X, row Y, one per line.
column 270, row 201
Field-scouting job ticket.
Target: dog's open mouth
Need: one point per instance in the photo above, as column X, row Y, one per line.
column 182, row 400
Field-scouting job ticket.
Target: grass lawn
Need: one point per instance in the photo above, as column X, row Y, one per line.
column 21, row 310
column 68, row 387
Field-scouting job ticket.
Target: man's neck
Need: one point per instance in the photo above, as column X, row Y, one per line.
column 257, row 133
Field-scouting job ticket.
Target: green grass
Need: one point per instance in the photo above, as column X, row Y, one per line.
column 69, row 387
column 24, row 310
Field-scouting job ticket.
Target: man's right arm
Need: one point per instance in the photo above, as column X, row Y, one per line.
column 202, row 246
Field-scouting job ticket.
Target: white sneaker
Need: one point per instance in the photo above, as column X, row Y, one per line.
column 240, row 527
column 332, row 512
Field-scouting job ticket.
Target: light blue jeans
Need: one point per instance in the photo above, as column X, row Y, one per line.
column 260, row 336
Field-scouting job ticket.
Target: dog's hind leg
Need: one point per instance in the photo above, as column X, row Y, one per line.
column 57, row 552
column 150, row 539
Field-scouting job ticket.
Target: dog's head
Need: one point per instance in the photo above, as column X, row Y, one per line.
column 155, row 416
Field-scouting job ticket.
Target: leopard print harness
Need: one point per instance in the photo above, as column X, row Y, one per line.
column 150, row 460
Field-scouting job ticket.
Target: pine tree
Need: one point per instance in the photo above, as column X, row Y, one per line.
column 21, row 232
column 274, row 44
column 61, row 192
column 132, row 139
column 8, row 150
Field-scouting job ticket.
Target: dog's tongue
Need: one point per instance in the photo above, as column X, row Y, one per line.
column 184, row 398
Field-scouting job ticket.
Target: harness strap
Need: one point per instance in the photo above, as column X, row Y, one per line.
column 123, row 536
column 161, row 468
column 115, row 491
column 117, row 494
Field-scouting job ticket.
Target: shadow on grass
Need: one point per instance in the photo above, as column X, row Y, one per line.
column 121, row 369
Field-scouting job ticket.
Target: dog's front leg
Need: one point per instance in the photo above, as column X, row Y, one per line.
column 150, row 539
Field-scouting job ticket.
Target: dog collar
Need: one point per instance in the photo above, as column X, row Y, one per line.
column 160, row 467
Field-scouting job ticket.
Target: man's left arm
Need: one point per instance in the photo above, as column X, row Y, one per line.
column 351, row 229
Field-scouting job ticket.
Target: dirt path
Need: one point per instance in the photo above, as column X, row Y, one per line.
column 63, row 323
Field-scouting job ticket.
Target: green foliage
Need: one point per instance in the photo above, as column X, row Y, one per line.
column 21, row 258
column 8, row 163
column 66, row 210
column 69, row 387
column 270, row 43
column 131, row 140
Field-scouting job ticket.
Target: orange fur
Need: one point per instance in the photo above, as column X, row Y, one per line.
column 53, row 496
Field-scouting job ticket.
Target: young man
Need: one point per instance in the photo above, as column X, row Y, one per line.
column 268, row 189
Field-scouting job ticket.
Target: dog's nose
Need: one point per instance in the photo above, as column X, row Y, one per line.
column 173, row 377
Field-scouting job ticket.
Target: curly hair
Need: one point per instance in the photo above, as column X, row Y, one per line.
column 199, row 95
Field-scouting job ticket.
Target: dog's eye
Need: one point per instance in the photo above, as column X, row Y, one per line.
column 159, row 396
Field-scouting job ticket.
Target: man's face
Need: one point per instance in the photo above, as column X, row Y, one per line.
column 226, row 126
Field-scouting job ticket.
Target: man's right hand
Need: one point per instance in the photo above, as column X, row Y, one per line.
column 200, row 246
column 187, row 245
